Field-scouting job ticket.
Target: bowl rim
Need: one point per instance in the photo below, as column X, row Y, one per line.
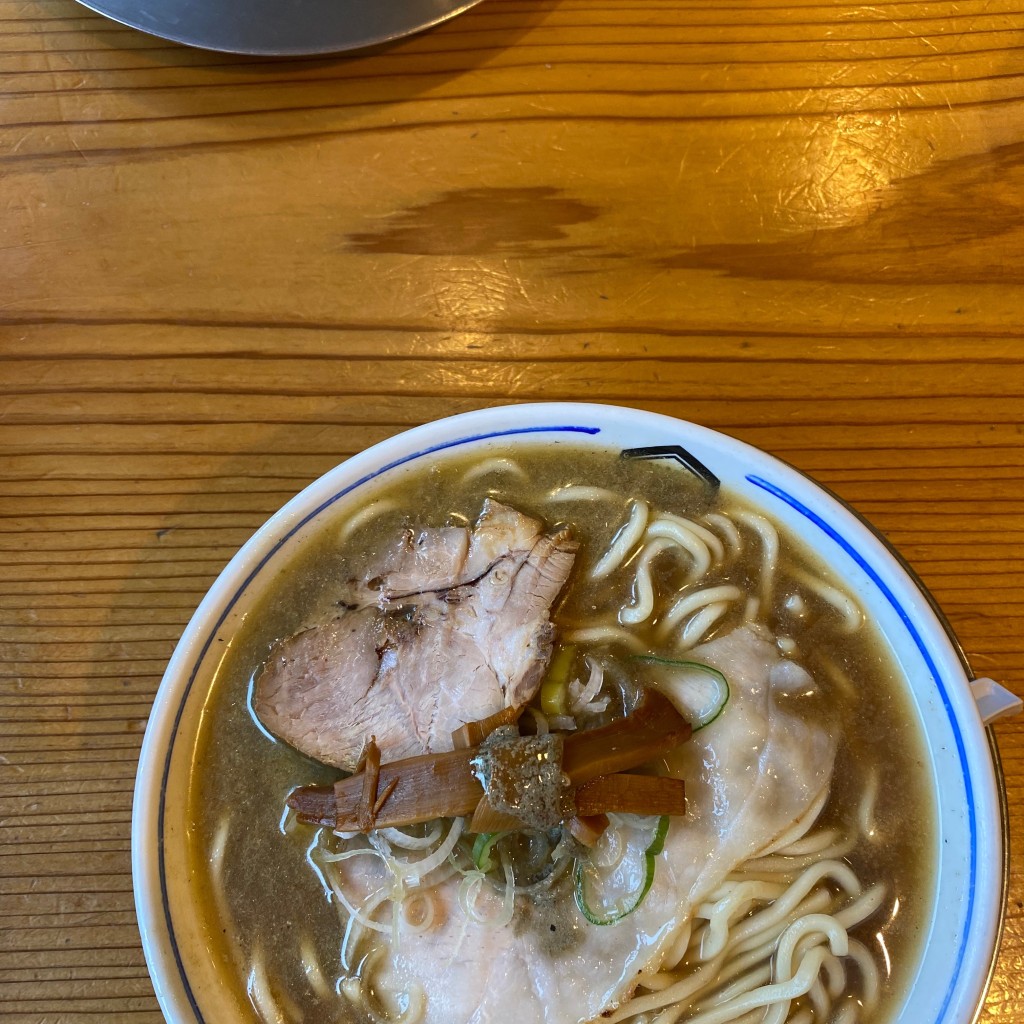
column 304, row 507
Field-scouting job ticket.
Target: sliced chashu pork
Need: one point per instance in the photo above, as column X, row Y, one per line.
column 749, row 775
column 452, row 628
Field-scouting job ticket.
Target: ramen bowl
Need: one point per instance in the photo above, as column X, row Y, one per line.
column 946, row 983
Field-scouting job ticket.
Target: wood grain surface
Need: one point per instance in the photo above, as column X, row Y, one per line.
column 802, row 224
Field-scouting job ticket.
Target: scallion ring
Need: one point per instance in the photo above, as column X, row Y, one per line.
column 482, row 846
column 706, row 705
column 656, row 846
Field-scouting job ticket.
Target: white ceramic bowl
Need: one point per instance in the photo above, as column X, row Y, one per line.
column 959, row 950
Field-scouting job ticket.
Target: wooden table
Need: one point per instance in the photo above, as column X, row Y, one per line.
column 801, row 224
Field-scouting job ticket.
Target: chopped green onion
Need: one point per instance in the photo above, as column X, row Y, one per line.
column 652, row 851
column 705, row 704
column 554, row 691
column 482, row 846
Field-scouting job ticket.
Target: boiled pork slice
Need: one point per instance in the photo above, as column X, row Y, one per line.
column 452, row 627
column 749, row 775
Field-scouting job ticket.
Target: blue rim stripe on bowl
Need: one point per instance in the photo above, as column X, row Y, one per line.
column 432, row 450
column 834, row 534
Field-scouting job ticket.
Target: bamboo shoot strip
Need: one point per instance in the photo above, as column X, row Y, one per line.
column 631, row 794
column 619, row 793
column 472, row 734
column 443, row 785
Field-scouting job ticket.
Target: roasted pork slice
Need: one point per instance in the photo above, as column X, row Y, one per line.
column 442, row 559
column 453, row 627
column 749, row 774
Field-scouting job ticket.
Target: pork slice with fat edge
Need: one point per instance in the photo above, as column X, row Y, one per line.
column 750, row 775
column 454, row 628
